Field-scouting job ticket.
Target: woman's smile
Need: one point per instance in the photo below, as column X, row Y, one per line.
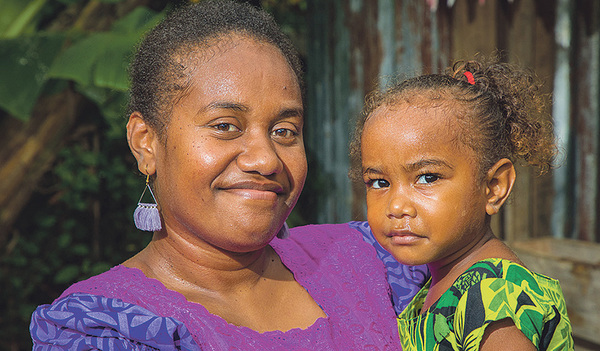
column 263, row 191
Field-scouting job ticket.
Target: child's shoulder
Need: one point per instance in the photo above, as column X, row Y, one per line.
column 505, row 269
column 497, row 273
column 489, row 291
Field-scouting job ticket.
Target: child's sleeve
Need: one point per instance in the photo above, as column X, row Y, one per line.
column 535, row 305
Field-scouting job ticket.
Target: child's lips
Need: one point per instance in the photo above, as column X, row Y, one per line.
column 404, row 237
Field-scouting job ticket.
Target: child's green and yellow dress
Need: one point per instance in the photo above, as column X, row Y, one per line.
column 491, row 290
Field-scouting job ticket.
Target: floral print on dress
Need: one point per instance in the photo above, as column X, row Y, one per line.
column 84, row 322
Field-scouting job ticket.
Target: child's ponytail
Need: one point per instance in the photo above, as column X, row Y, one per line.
column 500, row 108
column 521, row 123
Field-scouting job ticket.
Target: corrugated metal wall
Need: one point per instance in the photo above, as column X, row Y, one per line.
column 354, row 44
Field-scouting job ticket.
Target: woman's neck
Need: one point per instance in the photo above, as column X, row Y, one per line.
column 252, row 289
column 193, row 265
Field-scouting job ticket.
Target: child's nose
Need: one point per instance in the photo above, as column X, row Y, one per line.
column 400, row 206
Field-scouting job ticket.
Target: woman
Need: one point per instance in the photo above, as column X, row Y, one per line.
column 216, row 123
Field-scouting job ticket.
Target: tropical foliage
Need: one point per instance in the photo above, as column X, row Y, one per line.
column 75, row 220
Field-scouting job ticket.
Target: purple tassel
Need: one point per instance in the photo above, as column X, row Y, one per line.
column 284, row 232
column 146, row 217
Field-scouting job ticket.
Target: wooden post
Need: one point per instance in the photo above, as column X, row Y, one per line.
column 562, row 117
column 586, row 117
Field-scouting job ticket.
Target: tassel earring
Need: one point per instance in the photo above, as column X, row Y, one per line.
column 146, row 216
column 284, row 232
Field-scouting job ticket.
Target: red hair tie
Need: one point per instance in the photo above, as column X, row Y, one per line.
column 470, row 78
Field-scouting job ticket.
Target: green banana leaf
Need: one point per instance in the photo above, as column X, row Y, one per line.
column 24, row 64
column 98, row 60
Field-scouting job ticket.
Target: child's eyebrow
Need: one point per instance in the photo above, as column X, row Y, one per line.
column 411, row 167
column 372, row 170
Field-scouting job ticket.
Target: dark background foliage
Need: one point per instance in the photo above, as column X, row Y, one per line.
column 77, row 219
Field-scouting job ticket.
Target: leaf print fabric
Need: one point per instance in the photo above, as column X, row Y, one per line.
column 489, row 291
column 84, row 322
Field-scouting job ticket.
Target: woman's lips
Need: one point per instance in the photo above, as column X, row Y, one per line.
column 255, row 190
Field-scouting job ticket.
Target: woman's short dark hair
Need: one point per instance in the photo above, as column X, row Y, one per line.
column 157, row 73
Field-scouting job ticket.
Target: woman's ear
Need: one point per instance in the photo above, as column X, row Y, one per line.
column 143, row 142
column 500, row 180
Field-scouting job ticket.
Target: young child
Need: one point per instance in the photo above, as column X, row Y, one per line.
column 437, row 155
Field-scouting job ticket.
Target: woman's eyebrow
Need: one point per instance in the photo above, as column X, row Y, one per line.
column 226, row 105
column 291, row 112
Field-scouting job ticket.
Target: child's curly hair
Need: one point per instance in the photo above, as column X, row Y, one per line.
column 501, row 111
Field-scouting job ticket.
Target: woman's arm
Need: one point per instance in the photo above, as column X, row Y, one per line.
column 84, row 321
column 405, row 281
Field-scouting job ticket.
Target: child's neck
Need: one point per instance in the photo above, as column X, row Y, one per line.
column 445, row 272
column 460, row 260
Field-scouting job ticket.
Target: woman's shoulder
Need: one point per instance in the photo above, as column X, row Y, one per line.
column 121, row 308
column 116, row 282
column 319, row 243
column 323, row 232
column 323, row 241
column 354, row 244
column 132, row 286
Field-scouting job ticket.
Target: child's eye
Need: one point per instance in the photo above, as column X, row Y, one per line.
column 427, row 178
column 378, row 183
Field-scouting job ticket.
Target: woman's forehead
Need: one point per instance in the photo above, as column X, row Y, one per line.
column 223, row 54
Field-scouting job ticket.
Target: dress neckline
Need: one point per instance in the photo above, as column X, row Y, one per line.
column 199, row 310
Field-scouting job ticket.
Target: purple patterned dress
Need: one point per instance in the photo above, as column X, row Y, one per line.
column 122, row 309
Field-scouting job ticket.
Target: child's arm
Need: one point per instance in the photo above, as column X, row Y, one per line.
column 504, row 335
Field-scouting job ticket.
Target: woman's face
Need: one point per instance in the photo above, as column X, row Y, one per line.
column 232, row 162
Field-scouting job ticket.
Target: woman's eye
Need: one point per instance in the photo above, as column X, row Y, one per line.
column 226, row 127
column 284, row 133
column 379, row 184
column 427, row 178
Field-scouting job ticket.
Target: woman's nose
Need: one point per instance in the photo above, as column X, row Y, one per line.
column 400, row 205
column 260, row 156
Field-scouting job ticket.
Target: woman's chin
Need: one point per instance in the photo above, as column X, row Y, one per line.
column 247, row 244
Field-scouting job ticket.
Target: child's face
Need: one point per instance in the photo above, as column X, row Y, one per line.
column 425, row 201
